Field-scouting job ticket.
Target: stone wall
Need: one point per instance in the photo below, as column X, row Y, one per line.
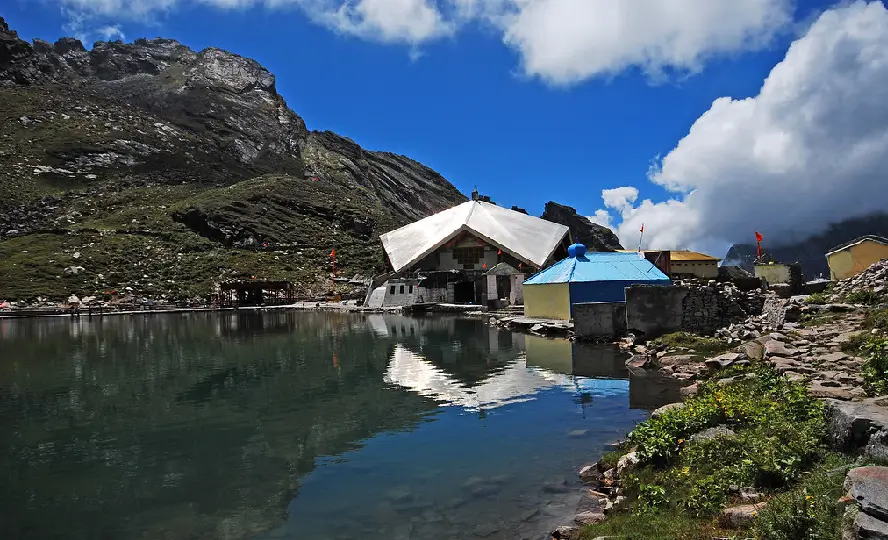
column 688, row 306
column 599, row 320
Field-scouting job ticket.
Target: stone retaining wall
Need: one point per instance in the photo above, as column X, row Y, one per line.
column 688, row 306
column 599, row 320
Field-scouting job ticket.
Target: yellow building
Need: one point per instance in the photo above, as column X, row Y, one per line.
column 693, row 263
column 773, row 273
column 850, row 259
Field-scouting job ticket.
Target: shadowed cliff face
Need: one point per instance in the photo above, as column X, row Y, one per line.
column 594, row 236
column 195, row 151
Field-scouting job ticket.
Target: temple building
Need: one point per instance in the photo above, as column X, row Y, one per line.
column 474, row 253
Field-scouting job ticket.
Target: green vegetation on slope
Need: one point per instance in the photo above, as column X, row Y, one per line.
column 772, row 434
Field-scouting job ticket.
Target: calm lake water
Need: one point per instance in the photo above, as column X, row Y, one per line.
column 299, row 426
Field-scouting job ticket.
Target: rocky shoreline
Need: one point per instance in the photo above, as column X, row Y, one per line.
column 813, row 342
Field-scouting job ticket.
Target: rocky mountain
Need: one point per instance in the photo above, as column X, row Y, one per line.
column 810, row 253
column 596, row 237
column 156, row 168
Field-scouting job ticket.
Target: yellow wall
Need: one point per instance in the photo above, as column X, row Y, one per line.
column 854, row 260
column 772, row 273
column 547, row 301
column 701, row 269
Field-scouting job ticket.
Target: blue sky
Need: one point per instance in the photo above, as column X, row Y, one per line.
column 494, row 104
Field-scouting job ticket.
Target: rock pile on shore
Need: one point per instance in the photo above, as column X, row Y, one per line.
column 872, row 279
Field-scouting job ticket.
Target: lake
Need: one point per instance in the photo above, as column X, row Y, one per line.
column 300, row 425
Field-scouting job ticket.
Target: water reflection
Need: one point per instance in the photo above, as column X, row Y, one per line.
column 223, row 425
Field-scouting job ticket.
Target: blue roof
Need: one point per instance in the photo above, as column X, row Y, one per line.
column 599, row 266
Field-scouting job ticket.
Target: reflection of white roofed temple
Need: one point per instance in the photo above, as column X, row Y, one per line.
column 515, row 383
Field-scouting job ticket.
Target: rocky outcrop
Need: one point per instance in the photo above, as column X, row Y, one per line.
column 867, row 515
column 594, row 236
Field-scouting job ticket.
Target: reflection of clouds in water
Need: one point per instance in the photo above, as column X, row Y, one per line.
column 514, row 384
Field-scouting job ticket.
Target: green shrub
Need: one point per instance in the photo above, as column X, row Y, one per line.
column 868, row 297
column 778, row 434
column 817, row 298
column 875, row 369
column 809, row 512
column 876, row 318
column 701, row 344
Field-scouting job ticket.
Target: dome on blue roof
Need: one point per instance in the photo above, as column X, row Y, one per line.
column 576, row 250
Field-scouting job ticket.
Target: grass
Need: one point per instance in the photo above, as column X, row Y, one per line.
column 662, row 525
column 705, row 346
column 876, row 319
column 866, row 297
column 810, row 510
column 682, row 484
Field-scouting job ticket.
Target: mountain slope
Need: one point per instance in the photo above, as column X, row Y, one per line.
column 811, row 253
column 165, row 170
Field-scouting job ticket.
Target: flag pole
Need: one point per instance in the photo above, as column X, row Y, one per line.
column 640, row 237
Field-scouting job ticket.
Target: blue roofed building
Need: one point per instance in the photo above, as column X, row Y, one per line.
column 587, row 277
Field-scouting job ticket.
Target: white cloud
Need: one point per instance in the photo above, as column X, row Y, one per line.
column 560, row 41
column 603, row 218
column 410, row 21
column 619, row 198
column 564, row 41
column 811, row 148
column 111, row 32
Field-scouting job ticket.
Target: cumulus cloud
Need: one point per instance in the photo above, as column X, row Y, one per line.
column 602, row 217
column 809, row 149
column 111, row 32
column 564, row 41
column 560, row 41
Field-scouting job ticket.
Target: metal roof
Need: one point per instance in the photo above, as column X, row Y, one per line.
column 599, row 266
column 529, row 239
column 683, row 255
column 676, row 255
column 859, row 240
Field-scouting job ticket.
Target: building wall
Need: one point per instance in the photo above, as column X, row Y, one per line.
column 773, row 273
column 547, row 301
column 401, row 292
column 701, row 269
column 516, row 296
column 599, row 320
column 854, row 260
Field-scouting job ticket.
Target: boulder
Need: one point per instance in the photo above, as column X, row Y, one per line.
column 688, row 391
column 589, row 510
column 869, row 487
column 712, row 433
column 666, row 408
column 866, row 527
column 678, row 360
column 859, row 425
column 627, row 462
column 591, row 474
column 566, row 532
column 740, row 517
column 753, row 350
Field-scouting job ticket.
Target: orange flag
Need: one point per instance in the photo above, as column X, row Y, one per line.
column 333, row 253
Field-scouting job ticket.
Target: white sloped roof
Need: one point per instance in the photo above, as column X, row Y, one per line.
column 527, row 238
